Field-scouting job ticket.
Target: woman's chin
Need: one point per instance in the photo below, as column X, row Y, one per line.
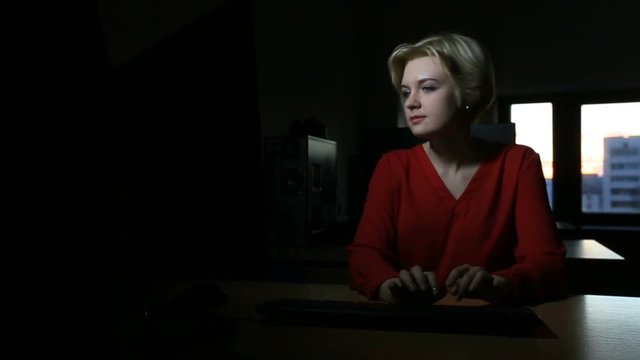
column 420, row 133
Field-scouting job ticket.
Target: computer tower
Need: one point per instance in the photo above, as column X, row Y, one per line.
column 301, row 185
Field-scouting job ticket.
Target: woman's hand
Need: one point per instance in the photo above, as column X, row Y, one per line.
column 411, row 286
column 475, row 282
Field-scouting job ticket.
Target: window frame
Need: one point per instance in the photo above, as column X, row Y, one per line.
column 567, row 174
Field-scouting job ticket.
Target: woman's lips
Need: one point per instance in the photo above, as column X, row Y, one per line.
column 416, row 119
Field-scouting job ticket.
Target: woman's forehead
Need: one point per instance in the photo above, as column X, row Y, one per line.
column 426, row 67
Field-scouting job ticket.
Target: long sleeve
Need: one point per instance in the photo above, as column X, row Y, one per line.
column 372, row 253
column 538, row 273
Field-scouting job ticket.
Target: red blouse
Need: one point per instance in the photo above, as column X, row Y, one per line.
column 501, row 222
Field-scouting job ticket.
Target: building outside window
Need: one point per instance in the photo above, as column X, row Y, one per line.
column 610, row 158
column 621, row 179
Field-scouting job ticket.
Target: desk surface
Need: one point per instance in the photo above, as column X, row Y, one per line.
column 589, row 249
column 587, row 327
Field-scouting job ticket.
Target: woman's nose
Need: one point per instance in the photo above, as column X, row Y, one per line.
column 411, row 103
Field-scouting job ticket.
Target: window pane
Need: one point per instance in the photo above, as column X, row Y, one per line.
column 611, row 157
column 534, row 128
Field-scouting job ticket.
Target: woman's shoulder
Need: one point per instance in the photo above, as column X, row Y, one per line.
column 508, row 153
column 504, row 149
column 519, row 151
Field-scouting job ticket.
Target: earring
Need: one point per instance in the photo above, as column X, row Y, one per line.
column 466, row 107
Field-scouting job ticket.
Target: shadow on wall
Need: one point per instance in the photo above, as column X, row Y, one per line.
column 180, row 176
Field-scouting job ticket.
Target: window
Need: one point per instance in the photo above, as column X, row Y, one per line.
column 610, row 157
column 588, row 144
column 534, row 128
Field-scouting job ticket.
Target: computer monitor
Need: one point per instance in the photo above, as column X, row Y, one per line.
column 302, row 185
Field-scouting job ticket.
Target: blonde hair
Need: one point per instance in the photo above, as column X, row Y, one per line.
column 466, row 63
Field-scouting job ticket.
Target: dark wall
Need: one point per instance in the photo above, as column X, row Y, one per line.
column 175, row 143
column 560, row 46
column 132, row 27
column 187, row 133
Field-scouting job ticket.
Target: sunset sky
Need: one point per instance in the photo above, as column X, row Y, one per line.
column 605, row 120
column 534, row 129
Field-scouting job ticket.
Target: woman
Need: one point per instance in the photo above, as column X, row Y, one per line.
column 456, row 213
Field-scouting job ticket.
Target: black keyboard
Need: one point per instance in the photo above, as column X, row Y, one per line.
column 485, row 320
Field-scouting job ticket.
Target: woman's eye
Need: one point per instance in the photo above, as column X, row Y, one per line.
column 428, row 88
column 404, row 94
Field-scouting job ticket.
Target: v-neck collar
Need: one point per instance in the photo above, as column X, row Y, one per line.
column 441, row 187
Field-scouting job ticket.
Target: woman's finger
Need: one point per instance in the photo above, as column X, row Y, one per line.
column 407, row 280
column 480, row 282
column 433, row 282
column 456, row 273
column 465, row 281
column 419, row 277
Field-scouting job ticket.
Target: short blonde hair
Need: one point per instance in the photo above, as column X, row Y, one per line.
column 466, row 63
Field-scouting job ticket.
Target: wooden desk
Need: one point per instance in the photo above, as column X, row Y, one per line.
column 587, row 327
column 589, row 249
column 596, row 269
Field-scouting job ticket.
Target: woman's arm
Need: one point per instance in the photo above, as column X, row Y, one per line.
column 372, row 255
column 539, row 273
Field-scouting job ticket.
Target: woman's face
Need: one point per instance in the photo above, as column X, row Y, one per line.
column 428, row 97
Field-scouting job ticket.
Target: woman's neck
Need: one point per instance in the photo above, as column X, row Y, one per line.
column 456, row 149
